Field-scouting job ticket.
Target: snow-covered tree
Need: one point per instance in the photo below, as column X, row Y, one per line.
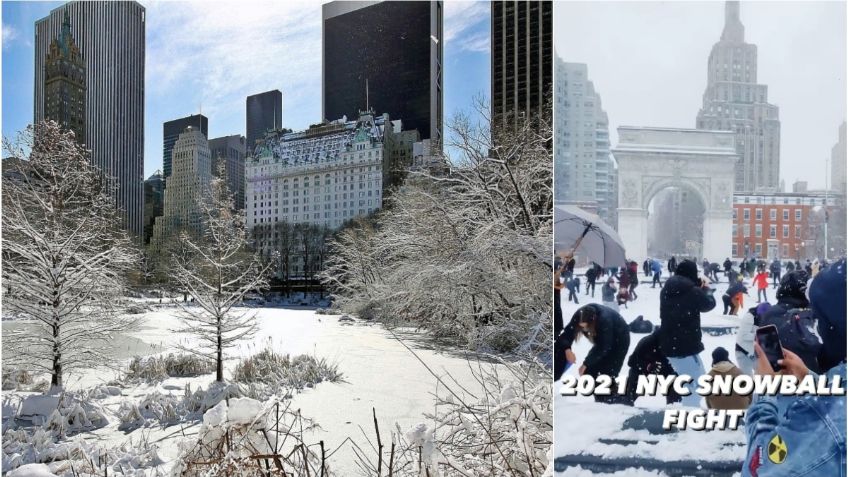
column 466, row 254
column 66, row 256
column 217, row 270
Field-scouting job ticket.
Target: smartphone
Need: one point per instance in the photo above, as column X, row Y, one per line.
column 770, row 344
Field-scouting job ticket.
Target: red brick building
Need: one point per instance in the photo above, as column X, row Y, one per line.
column 782, row 225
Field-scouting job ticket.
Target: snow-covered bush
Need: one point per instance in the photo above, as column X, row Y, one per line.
column 244, row 437
column 506, row 431
column 281, row 372
column 23, row 380
column 159, row 368
column 465, row 255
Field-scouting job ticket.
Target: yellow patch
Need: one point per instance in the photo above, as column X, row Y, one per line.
column 777, row 450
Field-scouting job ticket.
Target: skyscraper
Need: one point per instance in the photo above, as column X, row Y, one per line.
column 583, row 166
column 154, row 189
column 171, row 130
column 733, row 101
column 264, row 112
column 64, row 82
column 111, row 41
column 189, row 182
column 385, row 56
column 522, row 55
column 230, row 149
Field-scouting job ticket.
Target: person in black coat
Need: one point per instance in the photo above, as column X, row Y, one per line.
column 672, row 265
column 774, row 268
column 591, row 276
column 682, row 300
column 793, row 318
column 647, row 359
column 728, row 265
column 610, row 336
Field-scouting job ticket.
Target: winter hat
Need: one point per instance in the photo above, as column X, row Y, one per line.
column 794, row 285
column 763, row 307
column 827, row 299
column 720, row 354
column 688, row 269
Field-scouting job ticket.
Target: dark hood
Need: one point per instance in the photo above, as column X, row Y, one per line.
column 688, row 269
column 678, row 285
column 793, row 289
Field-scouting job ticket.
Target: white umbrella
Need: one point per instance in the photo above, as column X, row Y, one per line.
column 576, row 230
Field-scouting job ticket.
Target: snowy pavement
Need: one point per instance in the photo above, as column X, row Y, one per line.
column 583, row 426
column 378, row 372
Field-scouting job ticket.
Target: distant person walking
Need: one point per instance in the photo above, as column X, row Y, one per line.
column 682, row 300
column 774, row 268
column 656, row 268
column 591, row 276
column 573, row 286
column 761, row 282
column 608, row 294
column 672, row 265
column 728, row 266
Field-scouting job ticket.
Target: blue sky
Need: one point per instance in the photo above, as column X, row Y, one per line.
column 213, row 55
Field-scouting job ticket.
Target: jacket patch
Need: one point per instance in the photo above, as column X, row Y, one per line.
column 756, row 461
column 777, row 450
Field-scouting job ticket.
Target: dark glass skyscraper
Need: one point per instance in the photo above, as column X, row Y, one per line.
column 111, row 41
column 264, row 111
column 154, row 189
column 386, row 55
column 522, row 55
column 231, row 150
column 171, row 131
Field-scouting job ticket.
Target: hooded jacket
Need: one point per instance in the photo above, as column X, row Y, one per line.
column 734, row 401
column 681, row 303
column 612, row 336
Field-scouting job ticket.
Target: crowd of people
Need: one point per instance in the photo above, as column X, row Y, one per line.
column 806, row 297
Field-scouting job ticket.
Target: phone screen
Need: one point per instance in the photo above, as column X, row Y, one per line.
column 770, row 343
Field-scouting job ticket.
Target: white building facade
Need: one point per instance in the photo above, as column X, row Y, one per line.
column 584, row 169
column 189, row 182
column 325, row 176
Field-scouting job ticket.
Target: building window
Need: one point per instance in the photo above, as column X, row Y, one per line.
column 746, row 214
column 759, row 214
column 746, row 230
column 735, row 231
column 785, row 231
column 772, row 231
column 758, row 230
column 758, row 249
column 735, row 213
column 773, row 214
column 785, row 248
column 735, row 251
column 798, row 214
column 797, row 231
column 785, row 214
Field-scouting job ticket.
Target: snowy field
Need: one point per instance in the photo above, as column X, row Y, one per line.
column 581, row 423
column 378, row 372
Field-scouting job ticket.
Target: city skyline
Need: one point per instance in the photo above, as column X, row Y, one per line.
column 193, row 67
column 801, row 58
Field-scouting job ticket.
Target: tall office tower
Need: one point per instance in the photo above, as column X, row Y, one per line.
column 64, row 82
column 733, row 101
column 522, row 55
column 230, row 149
column 171, row 130
column 111, row 41
column 154, row 188
column 838, row 163
column 264, row 112
column 385, row 56
column 188, row 184
column 583, row 166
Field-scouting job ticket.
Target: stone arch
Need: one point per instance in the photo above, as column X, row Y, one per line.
column 653, row 159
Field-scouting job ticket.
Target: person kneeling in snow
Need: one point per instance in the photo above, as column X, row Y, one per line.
column 809, row 437
column 610, row 336
column 723, row 367
column 647, row 359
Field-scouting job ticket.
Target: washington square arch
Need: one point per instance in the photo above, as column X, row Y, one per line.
column 651, row 160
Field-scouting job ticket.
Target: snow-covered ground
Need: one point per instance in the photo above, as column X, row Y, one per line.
column 378, row 372
column 580, row 422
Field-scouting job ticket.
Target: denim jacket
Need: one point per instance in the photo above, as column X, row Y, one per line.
column 797, row 436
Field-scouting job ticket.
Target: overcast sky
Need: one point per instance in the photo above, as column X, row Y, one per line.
column 648, row 61
column 214, row 54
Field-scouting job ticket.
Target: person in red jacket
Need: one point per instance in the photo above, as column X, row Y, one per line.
column 761, row 281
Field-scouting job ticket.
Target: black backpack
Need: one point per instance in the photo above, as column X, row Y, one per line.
column 794, row 329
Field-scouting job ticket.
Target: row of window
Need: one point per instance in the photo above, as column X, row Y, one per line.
column 758, row 231
column 758, row 250
column 758, row 214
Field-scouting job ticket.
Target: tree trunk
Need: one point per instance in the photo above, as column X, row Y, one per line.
column 56, row 374
column 219, row 361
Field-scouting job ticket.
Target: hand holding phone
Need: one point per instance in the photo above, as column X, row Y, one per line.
column 769, row 342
